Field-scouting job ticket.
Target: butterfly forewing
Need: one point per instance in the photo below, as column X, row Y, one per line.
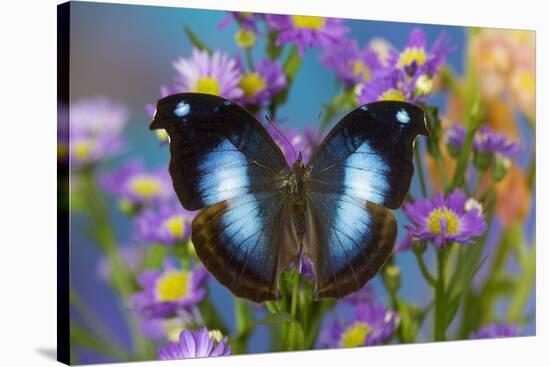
column 363, row 167
column 224, row 161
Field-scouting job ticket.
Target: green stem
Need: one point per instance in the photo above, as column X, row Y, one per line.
column 245, row 327
column 523, row 288
column 96, row 326
column 439, row 322
column 424, row 270
column 291, row 336
column 420, row 170
column 441, row 169
column 249, row 59
column 97, row 210
column 291, row 66
column 80, row 337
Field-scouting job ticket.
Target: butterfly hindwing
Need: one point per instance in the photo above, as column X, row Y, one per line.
column 243, row 243
column 225, row 163
column 362, row 168
column 348, row 240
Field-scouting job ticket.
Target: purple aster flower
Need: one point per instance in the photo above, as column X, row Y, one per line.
column 372, row 324
column 486, row 140
column 196, row 344
column 95, row 130
column 451, row 219
column 132, row 257
column 294, row 144
column 168, row 291
column 212, row 74
column 161, row 328
column 409, row 74
column 489, row 141
column 307, row 31
column 352, row 64
column 134, row 185
column 455, row 136
column 260, row 84
column 496, row 331
column 168, row 224
column 305, row 267
column 246, row 20
column 389, row 87
column 416, row 59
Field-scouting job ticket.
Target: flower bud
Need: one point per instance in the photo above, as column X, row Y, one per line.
column 419, row 247
column 482, row 160
column 392, row 275
column 423, row 85
column 245, row 38
column 502, row 165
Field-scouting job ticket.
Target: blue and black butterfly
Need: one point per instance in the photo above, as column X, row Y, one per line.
column 258, row 216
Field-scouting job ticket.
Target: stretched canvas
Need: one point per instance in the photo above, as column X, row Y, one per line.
column 235, row 182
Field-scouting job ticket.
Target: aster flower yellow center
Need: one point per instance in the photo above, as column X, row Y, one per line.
column 172, row 286
column 355, row 334
column 412, row 54
column 439, row 214
column 252, row 83
column 392, row 95
column 308, row 22
column 83, row 149
column 361, row 69
column 245, row 38
column 175, row 225
column 145, row 186
column 207, row 85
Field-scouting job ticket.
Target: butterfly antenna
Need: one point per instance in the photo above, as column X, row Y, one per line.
column 283, row 135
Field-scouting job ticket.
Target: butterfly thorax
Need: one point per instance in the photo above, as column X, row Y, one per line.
column 296, row 180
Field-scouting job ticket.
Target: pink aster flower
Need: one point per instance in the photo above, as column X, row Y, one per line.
column 446, row 219
column 216, row 74
column 95, row 132
column 307, row 31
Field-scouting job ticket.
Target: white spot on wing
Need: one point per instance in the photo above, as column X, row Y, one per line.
column 403, row 116
column 182, row 109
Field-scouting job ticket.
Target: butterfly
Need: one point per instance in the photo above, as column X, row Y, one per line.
column 258, row 216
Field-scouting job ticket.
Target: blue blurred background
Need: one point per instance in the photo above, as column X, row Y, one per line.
column 125, row 53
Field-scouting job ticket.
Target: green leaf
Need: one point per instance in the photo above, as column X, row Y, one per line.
column 277, row 318
column 195, row 40
column 271, row 49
